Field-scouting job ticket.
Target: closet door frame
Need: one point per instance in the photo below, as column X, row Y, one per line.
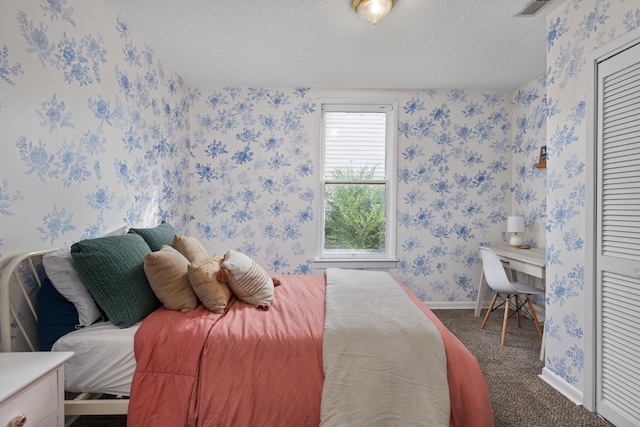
column 591, row 233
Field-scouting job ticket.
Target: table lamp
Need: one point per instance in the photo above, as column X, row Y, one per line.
column 515, row 225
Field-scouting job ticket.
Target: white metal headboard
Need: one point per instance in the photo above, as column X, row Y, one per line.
column 20, row 283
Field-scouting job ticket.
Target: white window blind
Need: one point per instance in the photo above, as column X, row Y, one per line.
column 355, row 141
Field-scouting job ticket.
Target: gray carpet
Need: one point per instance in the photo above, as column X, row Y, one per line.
column 519, row 397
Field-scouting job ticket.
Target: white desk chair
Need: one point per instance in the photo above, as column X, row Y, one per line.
column 505, row 289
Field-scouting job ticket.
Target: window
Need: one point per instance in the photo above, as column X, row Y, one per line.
column 358, row 185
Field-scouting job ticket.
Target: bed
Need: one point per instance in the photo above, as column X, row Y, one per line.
column 260, row 366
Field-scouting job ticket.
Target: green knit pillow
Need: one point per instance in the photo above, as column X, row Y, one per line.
column 157, row 236
column 112, row 268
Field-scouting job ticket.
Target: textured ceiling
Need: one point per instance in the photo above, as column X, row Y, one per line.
column 421, row 44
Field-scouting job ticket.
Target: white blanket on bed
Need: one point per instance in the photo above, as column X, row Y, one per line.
column 384, row 361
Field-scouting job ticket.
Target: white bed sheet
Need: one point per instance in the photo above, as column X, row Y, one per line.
column 103, row 360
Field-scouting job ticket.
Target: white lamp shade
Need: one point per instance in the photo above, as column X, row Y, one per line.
column 515, row 224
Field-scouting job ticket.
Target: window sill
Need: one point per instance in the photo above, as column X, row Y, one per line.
column 369, row 264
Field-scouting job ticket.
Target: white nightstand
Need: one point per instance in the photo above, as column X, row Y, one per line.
column 32, row 384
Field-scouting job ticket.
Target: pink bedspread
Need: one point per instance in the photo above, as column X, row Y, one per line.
column 250, row 367
column 468, row 392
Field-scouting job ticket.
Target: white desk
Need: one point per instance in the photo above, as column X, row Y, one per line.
column 530, row 261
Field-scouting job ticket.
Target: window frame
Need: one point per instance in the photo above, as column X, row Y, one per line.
column 353, row 259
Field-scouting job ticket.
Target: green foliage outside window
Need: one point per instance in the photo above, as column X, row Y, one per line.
column 355, row 213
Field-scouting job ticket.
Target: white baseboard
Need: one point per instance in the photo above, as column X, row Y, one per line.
column 446, row 305
column 566, row 389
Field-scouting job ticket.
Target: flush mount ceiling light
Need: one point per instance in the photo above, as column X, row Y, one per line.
column 372, row 10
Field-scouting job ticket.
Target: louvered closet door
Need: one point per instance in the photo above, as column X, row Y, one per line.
column 618, row 234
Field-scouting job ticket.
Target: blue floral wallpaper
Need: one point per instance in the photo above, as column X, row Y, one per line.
column 255, row 154
column 94, row 129
column 97, row 133
column 528, row 182
column 575, row 29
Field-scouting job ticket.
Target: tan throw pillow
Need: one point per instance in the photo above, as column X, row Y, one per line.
column 191, row 248
column 166, row 271
column 214, row 294
column 248, row 281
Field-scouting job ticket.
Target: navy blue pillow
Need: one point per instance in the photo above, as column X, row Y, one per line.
column 57, row 316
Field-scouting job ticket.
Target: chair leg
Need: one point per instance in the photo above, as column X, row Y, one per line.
column 504, row 321
column 518, row 311
column 486, row 317
column 535, row 318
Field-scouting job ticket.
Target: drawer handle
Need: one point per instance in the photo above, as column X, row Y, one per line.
column 19, row 421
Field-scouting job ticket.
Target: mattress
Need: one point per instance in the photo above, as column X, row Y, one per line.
column 103, row 360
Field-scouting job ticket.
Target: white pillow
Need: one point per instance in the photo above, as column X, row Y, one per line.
column 248, row 281
column 60, row 269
